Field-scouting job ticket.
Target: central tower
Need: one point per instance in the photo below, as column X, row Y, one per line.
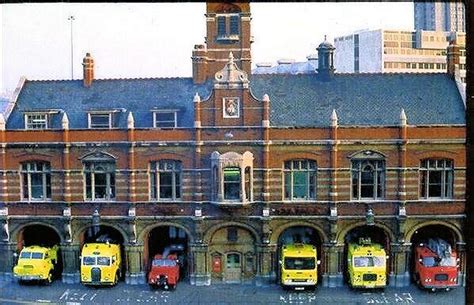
column 227, row 30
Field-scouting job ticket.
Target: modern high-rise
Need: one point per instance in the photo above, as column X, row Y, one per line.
column 440, row 16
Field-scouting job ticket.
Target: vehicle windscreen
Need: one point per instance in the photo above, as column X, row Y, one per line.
column 369, row 261
column 103, row 261
column 448, row 262
column 428, row 261
column 88, row 260
column 300, row 263
column 164, row 263
column 31, row 255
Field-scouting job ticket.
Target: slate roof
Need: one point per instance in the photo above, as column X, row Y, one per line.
column 295, row 100
column 3, row 105
column 360, row 99
column 137, row 95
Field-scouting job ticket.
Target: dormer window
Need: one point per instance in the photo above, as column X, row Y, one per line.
column 101, row 120
column 228, row 27
column 165, row 118
column 37, row 120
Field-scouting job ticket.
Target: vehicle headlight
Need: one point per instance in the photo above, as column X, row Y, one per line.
column 106, row 278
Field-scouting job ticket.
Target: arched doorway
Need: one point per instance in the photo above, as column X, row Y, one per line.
column 44, row 236
column 304, row 235
column 104, row 234
column 167, row 239
column 233, row 255
column 375, row 234
column 431, row 235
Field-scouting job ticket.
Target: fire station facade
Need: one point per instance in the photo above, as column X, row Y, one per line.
column 233, row 165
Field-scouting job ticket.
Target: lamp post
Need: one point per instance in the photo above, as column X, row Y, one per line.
column 71, row 18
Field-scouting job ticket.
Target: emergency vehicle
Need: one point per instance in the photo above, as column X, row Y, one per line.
column 36, row 263
column 366, row 264
column 100, row 263
column 298, row 266
column 436, row 265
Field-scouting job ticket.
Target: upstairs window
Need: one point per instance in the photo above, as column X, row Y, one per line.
column 165, row 119
column 36, row 181
column 436, row 178
column 228, row 26
column 36, row 121
column 368, row 176
column 100, row 120
column 100, row 180
column 300, row 179
column 165, row 180
column 232, row 182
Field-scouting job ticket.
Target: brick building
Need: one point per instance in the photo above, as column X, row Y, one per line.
column 233, row 165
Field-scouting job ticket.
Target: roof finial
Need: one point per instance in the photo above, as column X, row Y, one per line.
column 266, row 98
column 65, row 121
column 325, row 37
column 2, row 121
column 334, row 119
column 197, row 98
column 231, row 57
column 403, row 118
column 130, row 121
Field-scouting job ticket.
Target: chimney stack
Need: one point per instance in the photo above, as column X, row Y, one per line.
column 88, row 69
column 453, row 56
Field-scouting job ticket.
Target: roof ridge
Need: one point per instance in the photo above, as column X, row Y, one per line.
column 109, row 79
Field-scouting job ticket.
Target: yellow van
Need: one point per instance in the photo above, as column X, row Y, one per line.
column 100, row 264
column 298, row 266
column 366, row 263
column 36, row 263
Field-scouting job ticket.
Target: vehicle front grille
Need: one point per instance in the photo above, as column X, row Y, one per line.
column 369, row 277
column 95, row 274
column 441, row 277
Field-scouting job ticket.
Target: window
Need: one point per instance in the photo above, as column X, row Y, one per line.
column 232, row 234
column 165, row 180
column 228, row 27
column 36, row 121
column 100, row 180
column 164, row 119
column 36, row 181
column 436, row 178
column 100, row 120
column 231, row 183
column 368, row 177
column 300, row 179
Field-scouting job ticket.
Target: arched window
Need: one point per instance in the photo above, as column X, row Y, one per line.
column 36, row 180
column 165, row 180
column 99, row 176
column 368, row 176
column 300, row 180
column 436, row 178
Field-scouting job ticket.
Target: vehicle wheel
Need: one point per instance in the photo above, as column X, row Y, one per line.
column 173, row 287
column 116, row 279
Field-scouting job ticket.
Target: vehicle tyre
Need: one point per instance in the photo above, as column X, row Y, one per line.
column 49, row 279
column 173, row 287
column 116, row 278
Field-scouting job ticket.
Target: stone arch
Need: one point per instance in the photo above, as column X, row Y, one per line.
column 207, row 236
column 149, row 228
column 281, row 228
column 19, row 228
column 453, row 227
column 342, row 234
column 80, row 230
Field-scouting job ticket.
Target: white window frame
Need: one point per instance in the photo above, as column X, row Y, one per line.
column 292, row 171
column 31, row 169
column 224, row 112
column 446, row 180
column 30, row 114
column 227, row 35
column 89, row 168
column 173, row 111
column 155, row 172
column 89, row 120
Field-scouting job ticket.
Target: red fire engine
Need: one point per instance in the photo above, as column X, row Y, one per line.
column 165, row 268
column 436, row 265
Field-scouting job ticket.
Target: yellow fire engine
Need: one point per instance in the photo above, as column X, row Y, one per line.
column 366, row 263
column 36, row 263
column 298, row 266
column 100, row 264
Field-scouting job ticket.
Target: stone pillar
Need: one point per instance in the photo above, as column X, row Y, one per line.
column 7, row 260
column 266, row 264
column 461, row 252
column 200, row 275
column 333, row 265
column 134, row 273
column 399, row 268
column 71, row 263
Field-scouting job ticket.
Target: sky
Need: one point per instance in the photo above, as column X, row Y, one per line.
column 156, row 39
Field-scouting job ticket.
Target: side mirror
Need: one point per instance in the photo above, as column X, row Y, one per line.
column 318, row 262
column 420, row 260
column 280, row 262
column 80, row 257
column 15, row 254
column 458, row 259
column 387, row 257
